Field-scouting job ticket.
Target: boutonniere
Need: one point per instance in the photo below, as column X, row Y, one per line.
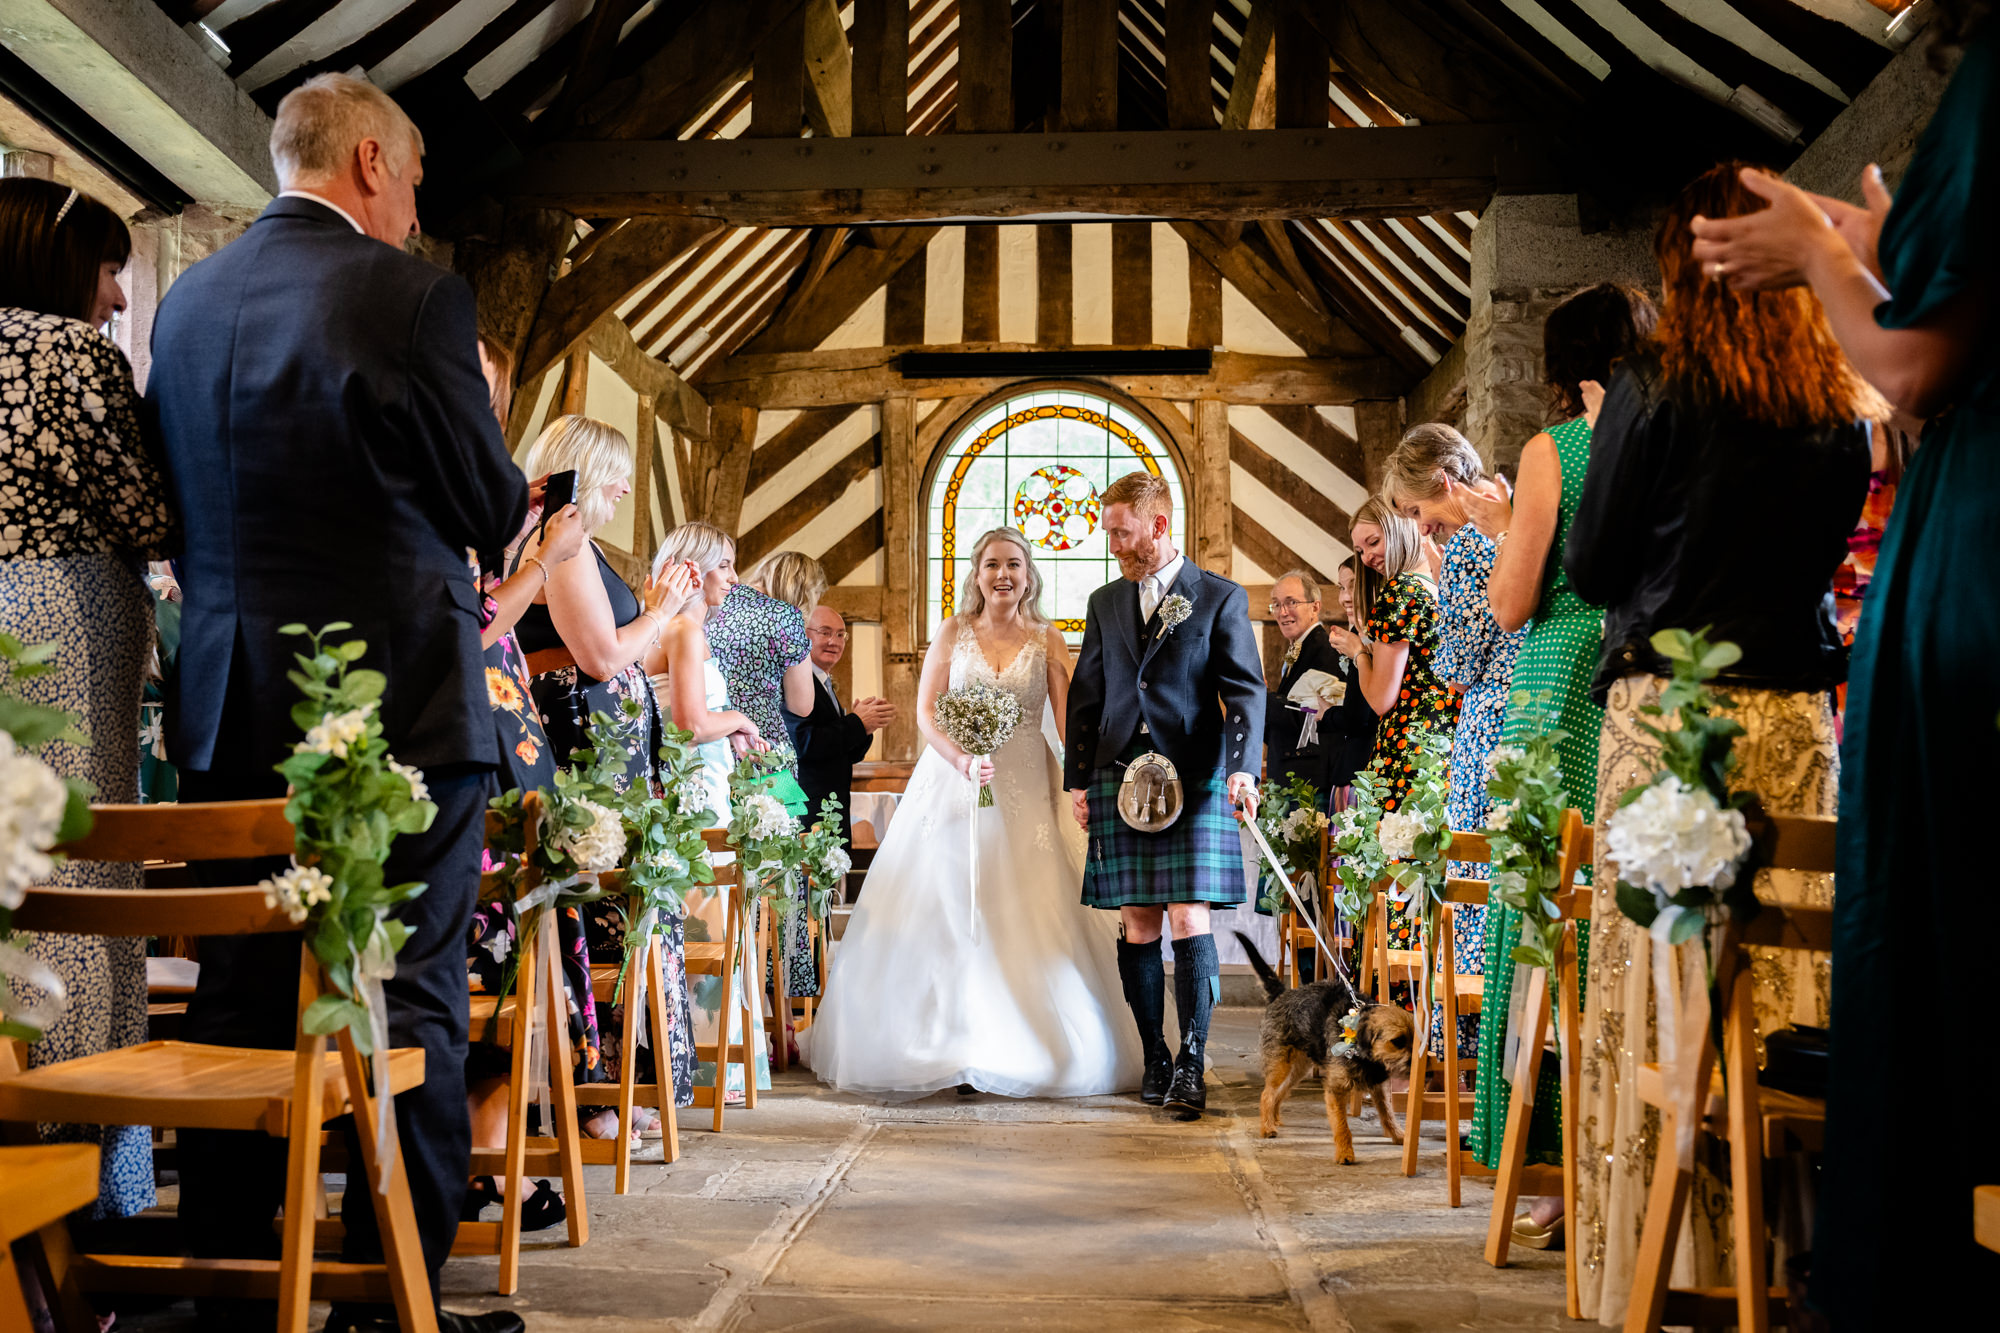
column 1173, row 611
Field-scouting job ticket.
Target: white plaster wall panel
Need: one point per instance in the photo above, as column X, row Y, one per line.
column 838, row 519
column 512, row 56
column 1244, row 328
column 1725, row 22
column 1170, row 286
column 867, row 574
column 1090, row 282
column 944, row 286
column 864, row 656
column 1437, row 232
column 460, row 24
column 864, row 327
column 770, row 422
column 1247, row 571
column 1571, row 45
column 319, row 39
column 545, row 394
column 613, row 401
column 1342, row 419
column 802, row 471
column 1285, row 523
column 1263, row 430
column 1017, row 284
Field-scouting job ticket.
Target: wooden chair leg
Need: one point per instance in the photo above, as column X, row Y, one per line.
column 562, row 1097
column 51, row 1256
column 1569, row 989
column 663, row 1071
column 628, row 1078
column 781, row 999
column 726, row 1006
column 396, row 1219
column 753, row 996
column 1448, row 971
column 1520, row 1116
column 302, row 1129
column 515, row 1181
column 1746, row 1161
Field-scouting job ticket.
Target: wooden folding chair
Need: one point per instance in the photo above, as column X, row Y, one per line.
column 40, row 1185
column 721, row 958
column 628, row 1092
column 1296, row 936
column 1986, row 1216
column 1516, row 1176
column 510, row 1019
column 288, row 1094
column 1455, row 993
column 1755, row 1122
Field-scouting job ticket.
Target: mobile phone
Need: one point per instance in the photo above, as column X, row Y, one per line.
column 559, row 492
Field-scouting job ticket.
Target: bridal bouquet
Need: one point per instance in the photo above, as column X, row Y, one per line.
column 979, row 718
column 38, row 811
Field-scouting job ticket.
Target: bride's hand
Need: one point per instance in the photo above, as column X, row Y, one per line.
column 975, row 768
column 1079, row 804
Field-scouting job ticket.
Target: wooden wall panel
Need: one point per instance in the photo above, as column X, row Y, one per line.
column 1131, row 283
column 881, row 37
column 1090, row 65
column 1055, row 303
column 985, row 66
column 981, row 322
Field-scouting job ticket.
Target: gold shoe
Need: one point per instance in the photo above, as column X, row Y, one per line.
column 1534, row 1237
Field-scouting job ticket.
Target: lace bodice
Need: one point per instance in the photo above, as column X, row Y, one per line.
column 1026, row 677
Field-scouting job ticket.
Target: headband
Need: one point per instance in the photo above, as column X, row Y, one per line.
column 64, row 210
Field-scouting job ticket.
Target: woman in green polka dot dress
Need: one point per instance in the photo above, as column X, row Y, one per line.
column 1583, row 339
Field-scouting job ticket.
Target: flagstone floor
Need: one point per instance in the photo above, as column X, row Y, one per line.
column 828, row 1212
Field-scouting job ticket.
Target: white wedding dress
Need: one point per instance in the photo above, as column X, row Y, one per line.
column 1012, row 987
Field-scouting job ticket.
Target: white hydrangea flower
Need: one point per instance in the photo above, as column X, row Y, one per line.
column 1398, row 834
column 419, row 791
column 1502, row 754
column 1675, row 837
column 32, row 800
column 337, row 731
column 599, row 845
column 1502, row 816
column 298, row 890
column 836, row 865
column 769, row 818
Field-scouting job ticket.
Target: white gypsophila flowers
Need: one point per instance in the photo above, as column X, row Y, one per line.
column 693, row 798
column 1398, row 835
column 1673, row 837
column 1174, row 609
column 1502, row 754
column 298, row 890
column 337, row 731
column 1350, row 822
column 1501, row 816
column 32, row 800
column 419, row 790
column 768, row 817
column 599, row 845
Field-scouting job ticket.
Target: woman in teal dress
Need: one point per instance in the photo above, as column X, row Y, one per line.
column 1893, row 1244
column 1583, row 340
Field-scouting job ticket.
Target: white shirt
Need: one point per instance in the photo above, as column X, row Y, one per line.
column 1153, row 588
column 324, row 202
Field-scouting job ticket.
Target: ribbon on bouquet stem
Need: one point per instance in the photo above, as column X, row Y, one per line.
column 544, row 946
column 972, row 861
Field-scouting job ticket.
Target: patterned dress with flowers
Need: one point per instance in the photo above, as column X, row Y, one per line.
column 567, row 698
column 1477, row 656
column 1406, row 612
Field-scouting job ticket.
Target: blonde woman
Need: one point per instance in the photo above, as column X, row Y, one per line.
column 1394, row 656
column 692, row 691
column 1006, row 983
column 585, row 637
column 759, row 638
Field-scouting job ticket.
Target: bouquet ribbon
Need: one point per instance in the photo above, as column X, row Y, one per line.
column 40, row 1015
column 545, row 960
column 972, row 864
column 1309, row 732
column 373, row 966
column 637, row 996
column 1682, row 1025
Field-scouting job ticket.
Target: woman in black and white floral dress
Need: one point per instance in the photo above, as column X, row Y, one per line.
column 83, row 506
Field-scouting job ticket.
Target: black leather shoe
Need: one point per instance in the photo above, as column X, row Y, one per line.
column 1159, row 1073
column 1187, row 1095
column 493, row 1321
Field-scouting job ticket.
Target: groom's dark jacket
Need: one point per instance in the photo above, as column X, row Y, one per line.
column 1198, row 688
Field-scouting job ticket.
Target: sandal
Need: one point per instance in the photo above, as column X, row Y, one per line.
column 646, row 1121
column 482, row 1191
column 610, row 1129
column 543, row 1209
column 1535, row 1237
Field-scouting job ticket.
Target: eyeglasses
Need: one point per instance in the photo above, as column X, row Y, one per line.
column 1289, row 604
column 831, row 634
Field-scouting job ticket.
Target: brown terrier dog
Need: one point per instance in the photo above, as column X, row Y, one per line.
column 1353, row 1045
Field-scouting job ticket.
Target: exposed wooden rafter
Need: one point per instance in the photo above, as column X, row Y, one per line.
column 614, row 270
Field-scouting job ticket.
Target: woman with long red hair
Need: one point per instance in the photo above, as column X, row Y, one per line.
column 1726, row 471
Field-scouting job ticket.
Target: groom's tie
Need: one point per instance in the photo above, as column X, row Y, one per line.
column 1149, row 597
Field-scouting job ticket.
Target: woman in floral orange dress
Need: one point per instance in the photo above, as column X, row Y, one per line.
column 1394, row 661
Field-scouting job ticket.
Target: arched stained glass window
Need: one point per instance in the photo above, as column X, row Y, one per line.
column 1038, row 461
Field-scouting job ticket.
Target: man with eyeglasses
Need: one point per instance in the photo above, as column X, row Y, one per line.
column 831, row 740
column 1295, row 607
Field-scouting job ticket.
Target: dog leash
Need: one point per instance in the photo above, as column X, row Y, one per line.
column 1277, row 868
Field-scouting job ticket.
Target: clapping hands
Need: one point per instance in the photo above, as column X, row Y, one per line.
column 875, row 713
column 1488, row 505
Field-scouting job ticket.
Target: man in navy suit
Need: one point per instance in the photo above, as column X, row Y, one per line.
column 831, row 740
column 1169, row 665
column 326, row 426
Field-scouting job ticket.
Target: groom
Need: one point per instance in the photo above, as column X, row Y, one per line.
column 1169, row 664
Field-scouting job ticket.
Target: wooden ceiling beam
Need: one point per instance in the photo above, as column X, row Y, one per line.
column 1089, row 65
column 854, row 277
column 1360, row 301
column 1190, row 28
column 675, row 401
column 263, row 31
column 817, row 379
column 1253, row 93
column 615, row 269
column 1850, row 60
column 1299, row 319
column 597, row 36
column 713, row 48
column 985, row 66
column 1380, row 172
column 1419, row 62
column 1301, row 66
column 829, row 71
column 881, row 66
column 738, row 244
column 778, row 79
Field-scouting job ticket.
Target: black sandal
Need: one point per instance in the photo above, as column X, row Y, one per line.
column 543, row 1209
column 482, row 1191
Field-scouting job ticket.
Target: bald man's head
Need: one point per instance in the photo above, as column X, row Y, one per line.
column 828, row 632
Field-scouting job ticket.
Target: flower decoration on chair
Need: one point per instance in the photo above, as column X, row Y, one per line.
column 666, row 855
column 1405, row 847
column 1289, row 817
column 825, row 858
column 1680, row 838
column 349, row 802
column 1524, row 830
column 979, row 718
column 38, row 812
column 764, row 833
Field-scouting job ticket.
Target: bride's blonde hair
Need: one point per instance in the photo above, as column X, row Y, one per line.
column 972, row 601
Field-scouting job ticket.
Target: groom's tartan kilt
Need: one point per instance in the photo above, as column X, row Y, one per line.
column 1198, row 860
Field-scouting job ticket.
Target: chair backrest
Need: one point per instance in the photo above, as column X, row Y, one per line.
column 1574, row 854
column 1803, row 843
column 718, row 841
column 531, row 830
column 197, row 831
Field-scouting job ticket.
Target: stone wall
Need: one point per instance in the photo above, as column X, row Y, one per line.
column 1881, row 125
column 1528, row 254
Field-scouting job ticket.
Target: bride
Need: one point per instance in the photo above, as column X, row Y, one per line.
column 1009, row 985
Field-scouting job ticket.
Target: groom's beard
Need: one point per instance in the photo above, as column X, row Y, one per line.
column 1135, row 564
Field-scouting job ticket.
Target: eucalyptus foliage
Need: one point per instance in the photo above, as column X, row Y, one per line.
column 764, row 834
column 1290, row 818
column 825, row 858
column 1524, row 830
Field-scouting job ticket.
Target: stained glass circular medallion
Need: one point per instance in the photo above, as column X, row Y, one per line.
column 1056, row 507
